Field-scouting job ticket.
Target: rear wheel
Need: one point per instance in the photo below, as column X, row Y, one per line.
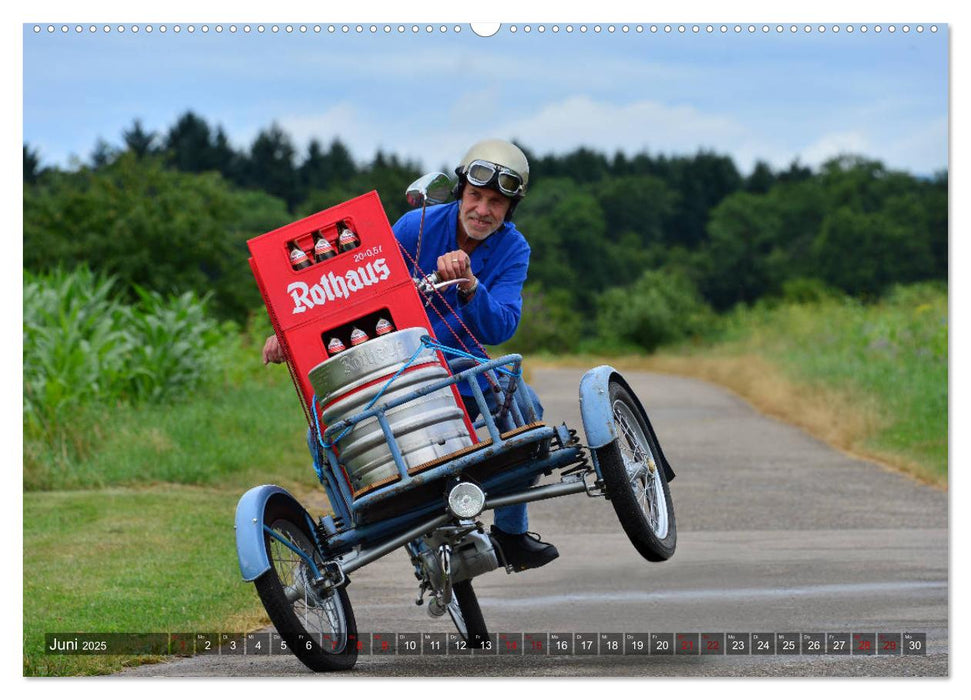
column 467, row 615
column 316, row 627
column 636, row 484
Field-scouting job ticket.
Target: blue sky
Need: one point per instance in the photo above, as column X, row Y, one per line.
column 771, row 96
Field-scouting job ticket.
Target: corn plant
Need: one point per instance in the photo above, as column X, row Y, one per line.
column 74, row 349
column 82, row 346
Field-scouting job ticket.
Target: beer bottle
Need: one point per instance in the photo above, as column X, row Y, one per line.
column 358, row 336
column 322, row 248
column 347, row 238
column 298, row 258
column 383, row 327
column 335, row 346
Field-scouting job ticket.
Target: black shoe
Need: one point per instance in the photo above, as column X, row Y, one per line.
column 523, row 551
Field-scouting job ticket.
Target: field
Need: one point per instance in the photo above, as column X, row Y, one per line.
column 128, row 504
column 871, row 380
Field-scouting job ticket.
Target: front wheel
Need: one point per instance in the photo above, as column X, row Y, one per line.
column 467, row 616
column 636, row 484
column 318, row 628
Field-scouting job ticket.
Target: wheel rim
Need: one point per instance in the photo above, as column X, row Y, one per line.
column 318, row 614
column 643, row 472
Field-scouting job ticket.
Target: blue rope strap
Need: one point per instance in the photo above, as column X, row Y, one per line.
column 371, row 403
column 435, row 345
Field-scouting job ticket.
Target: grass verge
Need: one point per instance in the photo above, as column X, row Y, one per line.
column 232, row 435
column 869, row 380
column 156, row 559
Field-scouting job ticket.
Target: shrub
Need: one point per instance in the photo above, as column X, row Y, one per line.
column 549, row 322
column 661, row 307
column 808, row 290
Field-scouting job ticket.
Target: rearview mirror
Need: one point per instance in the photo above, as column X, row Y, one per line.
column 432, row 188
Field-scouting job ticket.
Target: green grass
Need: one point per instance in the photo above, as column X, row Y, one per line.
column 130, row 493
column 134, row 532
column 123, row 560
column 82, row 345
column 219, row 435
column 871, row 379
column 892, row 355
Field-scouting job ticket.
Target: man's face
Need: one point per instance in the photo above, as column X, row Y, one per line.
column 482, row 211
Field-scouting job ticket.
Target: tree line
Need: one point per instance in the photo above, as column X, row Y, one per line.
column 620, row 243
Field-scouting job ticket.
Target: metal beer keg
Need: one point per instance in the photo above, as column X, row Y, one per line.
column 425, row 429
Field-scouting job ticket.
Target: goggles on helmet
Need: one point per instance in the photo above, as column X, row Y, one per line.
column 482, row 173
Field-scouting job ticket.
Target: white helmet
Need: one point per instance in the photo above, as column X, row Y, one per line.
column 497, row 164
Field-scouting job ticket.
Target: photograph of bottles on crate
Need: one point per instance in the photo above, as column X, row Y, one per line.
column 321, row 247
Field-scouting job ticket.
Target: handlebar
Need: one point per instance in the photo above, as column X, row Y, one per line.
column 432, row 282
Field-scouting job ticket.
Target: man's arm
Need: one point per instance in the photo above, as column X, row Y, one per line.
column 492, row 313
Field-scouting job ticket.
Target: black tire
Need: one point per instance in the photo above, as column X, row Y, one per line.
column 467, row 615
column 636, row 484
column 301, row 621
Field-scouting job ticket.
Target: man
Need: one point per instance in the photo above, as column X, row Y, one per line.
column 474, row 239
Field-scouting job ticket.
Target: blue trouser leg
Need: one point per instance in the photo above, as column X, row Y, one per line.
column 510, row 519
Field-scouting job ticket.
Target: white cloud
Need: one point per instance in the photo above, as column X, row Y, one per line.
column 476, row 106
column 634, row 127
column 341, row 118
column 835, row 144
column 922, row 149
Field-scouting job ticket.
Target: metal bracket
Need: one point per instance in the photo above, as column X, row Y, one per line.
column 328, row 572
column 596, row 489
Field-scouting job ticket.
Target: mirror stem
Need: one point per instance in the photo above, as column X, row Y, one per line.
column 421, row 229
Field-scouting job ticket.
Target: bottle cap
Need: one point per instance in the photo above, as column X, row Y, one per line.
column 358, row 336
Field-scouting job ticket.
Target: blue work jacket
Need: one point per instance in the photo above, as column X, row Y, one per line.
column 500, row 263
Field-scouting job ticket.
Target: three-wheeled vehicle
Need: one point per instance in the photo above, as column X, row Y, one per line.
column 402, row 466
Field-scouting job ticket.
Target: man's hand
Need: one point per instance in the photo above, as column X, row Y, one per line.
column 456, row 265
column 272, row 352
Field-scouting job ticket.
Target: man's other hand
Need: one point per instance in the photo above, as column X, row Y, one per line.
column 272, row 351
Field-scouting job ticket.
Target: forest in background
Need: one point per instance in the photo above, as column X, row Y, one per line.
column 628, row 252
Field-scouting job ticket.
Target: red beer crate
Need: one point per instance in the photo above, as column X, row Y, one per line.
column 319, row 290
column 356, row 288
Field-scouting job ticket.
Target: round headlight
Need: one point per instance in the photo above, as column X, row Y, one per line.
column 465, row 500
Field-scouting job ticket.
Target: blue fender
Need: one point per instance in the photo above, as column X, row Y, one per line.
column 598, row 414
column 250, row 541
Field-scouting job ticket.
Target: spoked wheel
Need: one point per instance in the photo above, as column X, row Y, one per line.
column 300, row 613
column 635, row 481
column 467, row 615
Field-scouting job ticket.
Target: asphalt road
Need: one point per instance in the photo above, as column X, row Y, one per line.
column 778, row 533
